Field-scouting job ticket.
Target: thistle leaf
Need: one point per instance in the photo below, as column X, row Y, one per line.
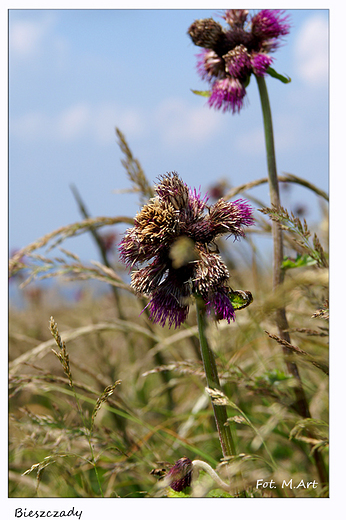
column 276, row 75
column 204, row 93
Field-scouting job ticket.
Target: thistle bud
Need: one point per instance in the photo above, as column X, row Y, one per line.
column 180, row 474
column 206, row 33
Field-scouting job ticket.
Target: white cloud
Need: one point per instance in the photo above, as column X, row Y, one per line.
column 73, row 122
column 33, row 42
column 176, row 122
column 26, row 37
column 28, row 126
column 39, row 126
column 179, row 122
column 312, row 51
column 107, row 116
column 78, row 121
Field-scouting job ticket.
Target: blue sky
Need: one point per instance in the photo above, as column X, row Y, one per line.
column 74, row 75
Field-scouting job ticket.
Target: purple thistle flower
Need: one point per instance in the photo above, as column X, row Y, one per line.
column 228, row 94
column 238, row 62
column 173, row 235
column 209, row 65
column 269, row 23
column 220, row 305
column 180, row 474
column 230, row 55
column 236, row 17
column 260, row 62
column 167, row 301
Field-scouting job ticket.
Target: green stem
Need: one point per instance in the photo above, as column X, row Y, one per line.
column 210, row 369
column 273, row 180
column 278, row 273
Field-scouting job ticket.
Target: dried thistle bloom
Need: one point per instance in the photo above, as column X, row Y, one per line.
column 230, row 55
column 206, row 33
column 173, row 235
column 179, row 476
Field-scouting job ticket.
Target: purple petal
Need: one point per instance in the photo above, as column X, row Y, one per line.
column 220, row 305
column 260, row 62
column 227, row 94
column 270, row 23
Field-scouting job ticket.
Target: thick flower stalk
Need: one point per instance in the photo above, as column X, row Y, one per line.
column 231, row 54
column 173, row 236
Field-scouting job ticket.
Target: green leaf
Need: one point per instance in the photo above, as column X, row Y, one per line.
column 216, row 493
column 204, row 93
column 276, row 75
column 300, row 261
column 240, row 299
column 247, row 81
column 177, row 494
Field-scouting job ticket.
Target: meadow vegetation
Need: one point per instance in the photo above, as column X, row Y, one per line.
column 103, row 401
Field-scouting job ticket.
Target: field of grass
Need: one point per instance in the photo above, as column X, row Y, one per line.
column 122, row 399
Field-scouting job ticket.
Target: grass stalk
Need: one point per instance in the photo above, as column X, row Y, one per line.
column 288, row 177
column 100, row 245
column 63, row 357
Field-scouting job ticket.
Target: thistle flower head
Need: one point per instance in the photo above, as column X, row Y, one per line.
column 209, row 65
column 227, row 94
column 206, row 33
column 270, row 23
column 180, row 474
column 173, row 236
column 230, row 55
column 236, row 17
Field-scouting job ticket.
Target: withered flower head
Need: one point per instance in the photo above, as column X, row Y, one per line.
column 231, row 54
column 173, row 235
column 180, row 474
